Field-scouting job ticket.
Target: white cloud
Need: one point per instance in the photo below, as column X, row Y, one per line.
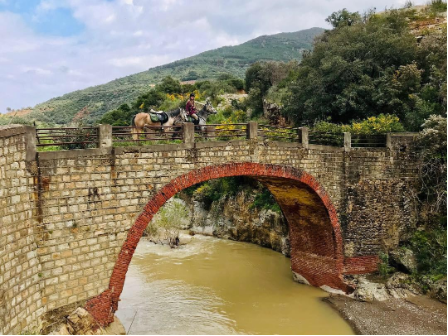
column 122, row 37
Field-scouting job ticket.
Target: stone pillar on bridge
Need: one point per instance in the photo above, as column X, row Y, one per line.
column 347, row 141
column 30, row 140
column 188, row 133
column 252, row 129
column 104, row 136
column 389, row 140
column 303, row 136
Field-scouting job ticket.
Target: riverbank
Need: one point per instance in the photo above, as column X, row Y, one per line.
column 416, row 315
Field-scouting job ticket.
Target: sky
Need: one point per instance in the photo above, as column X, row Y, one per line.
column 52, row 47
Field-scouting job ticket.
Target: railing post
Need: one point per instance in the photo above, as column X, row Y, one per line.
column 210, row 132
column 30, row 143
column 251, row 130
column 347, row 141
column 188, row 132
column 104, row 136
column 303, row 136
column 389, row 140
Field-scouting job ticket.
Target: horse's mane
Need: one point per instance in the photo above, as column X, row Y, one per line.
column 173, row 113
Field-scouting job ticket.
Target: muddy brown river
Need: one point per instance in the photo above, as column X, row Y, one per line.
column 215, row 286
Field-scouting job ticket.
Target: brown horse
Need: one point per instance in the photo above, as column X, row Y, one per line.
column 141, row 120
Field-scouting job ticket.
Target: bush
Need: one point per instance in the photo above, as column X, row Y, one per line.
column 214, row 190
column 437, row 6
column 433, row 168
column 265, row 200
column 430, row 248
column 167, row 223
column 383, row 267
column 383, row 123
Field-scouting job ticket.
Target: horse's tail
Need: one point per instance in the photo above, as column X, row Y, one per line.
column 133, row 121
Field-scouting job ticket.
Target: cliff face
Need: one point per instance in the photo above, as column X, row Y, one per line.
column 232, row 218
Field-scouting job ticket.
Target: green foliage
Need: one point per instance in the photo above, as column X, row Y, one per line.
column 214, row 190
column 169, row 85
column 167, row 223
column 381, row 124
column 343, row 18
column 265, row 200
column 430, row 248
column 433, row 168
column 383, row 267
column 260, row 77
column 7, row 120
column 119, row 117
column 437, row 6
column 328, row 127
column 220, row 189
column 368, row 67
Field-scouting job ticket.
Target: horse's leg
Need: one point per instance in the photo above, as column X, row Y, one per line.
column 134, row 133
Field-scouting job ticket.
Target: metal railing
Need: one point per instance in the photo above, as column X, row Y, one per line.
column 125, row 134
column 102, row 136
column 221, row 132
column 377, row 140
column 68, row 137
column 278, row 133
column 326, row 139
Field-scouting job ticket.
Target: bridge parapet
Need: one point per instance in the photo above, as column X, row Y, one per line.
column 65, row 215
column 104, row 136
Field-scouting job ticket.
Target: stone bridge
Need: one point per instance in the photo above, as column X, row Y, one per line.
column 70, row 220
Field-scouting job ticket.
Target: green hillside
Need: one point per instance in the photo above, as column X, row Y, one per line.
column 93, row 102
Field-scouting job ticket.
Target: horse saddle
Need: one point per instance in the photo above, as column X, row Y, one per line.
column 160, row 117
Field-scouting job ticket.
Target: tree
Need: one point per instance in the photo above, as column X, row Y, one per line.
column 119, row 117
column 261, row 76
column 367, row 67
column 150, row 100
column 169, row 85
column 165, row 227
column 343, row 18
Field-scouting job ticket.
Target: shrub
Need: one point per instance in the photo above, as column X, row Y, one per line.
column 383, row 266
column 437, row 6
column 430, row 248
column 167, row 223
column 265, row 200
column 215, row 190
column 383, row 123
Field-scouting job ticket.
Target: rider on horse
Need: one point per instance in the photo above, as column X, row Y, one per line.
column 190, row 108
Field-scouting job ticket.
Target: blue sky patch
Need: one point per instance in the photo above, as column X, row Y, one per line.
column 55, row 22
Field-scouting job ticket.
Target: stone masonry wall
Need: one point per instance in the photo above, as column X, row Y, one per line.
column 21, row 302
column 80, row 205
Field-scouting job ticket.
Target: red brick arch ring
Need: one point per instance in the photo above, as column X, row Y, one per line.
column 314, row 229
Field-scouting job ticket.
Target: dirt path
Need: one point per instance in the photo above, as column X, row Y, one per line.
column 413, row 316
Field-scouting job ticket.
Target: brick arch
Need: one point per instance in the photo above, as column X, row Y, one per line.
column 315, row 232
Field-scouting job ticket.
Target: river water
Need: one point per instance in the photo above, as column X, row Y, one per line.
column 216, row 286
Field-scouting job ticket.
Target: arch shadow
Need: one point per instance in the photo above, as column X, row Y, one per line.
column 314, row 229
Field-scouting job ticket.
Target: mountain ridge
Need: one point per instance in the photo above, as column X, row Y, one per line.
column 97, row 100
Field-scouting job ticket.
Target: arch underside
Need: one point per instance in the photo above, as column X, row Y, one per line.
column 314, row 230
